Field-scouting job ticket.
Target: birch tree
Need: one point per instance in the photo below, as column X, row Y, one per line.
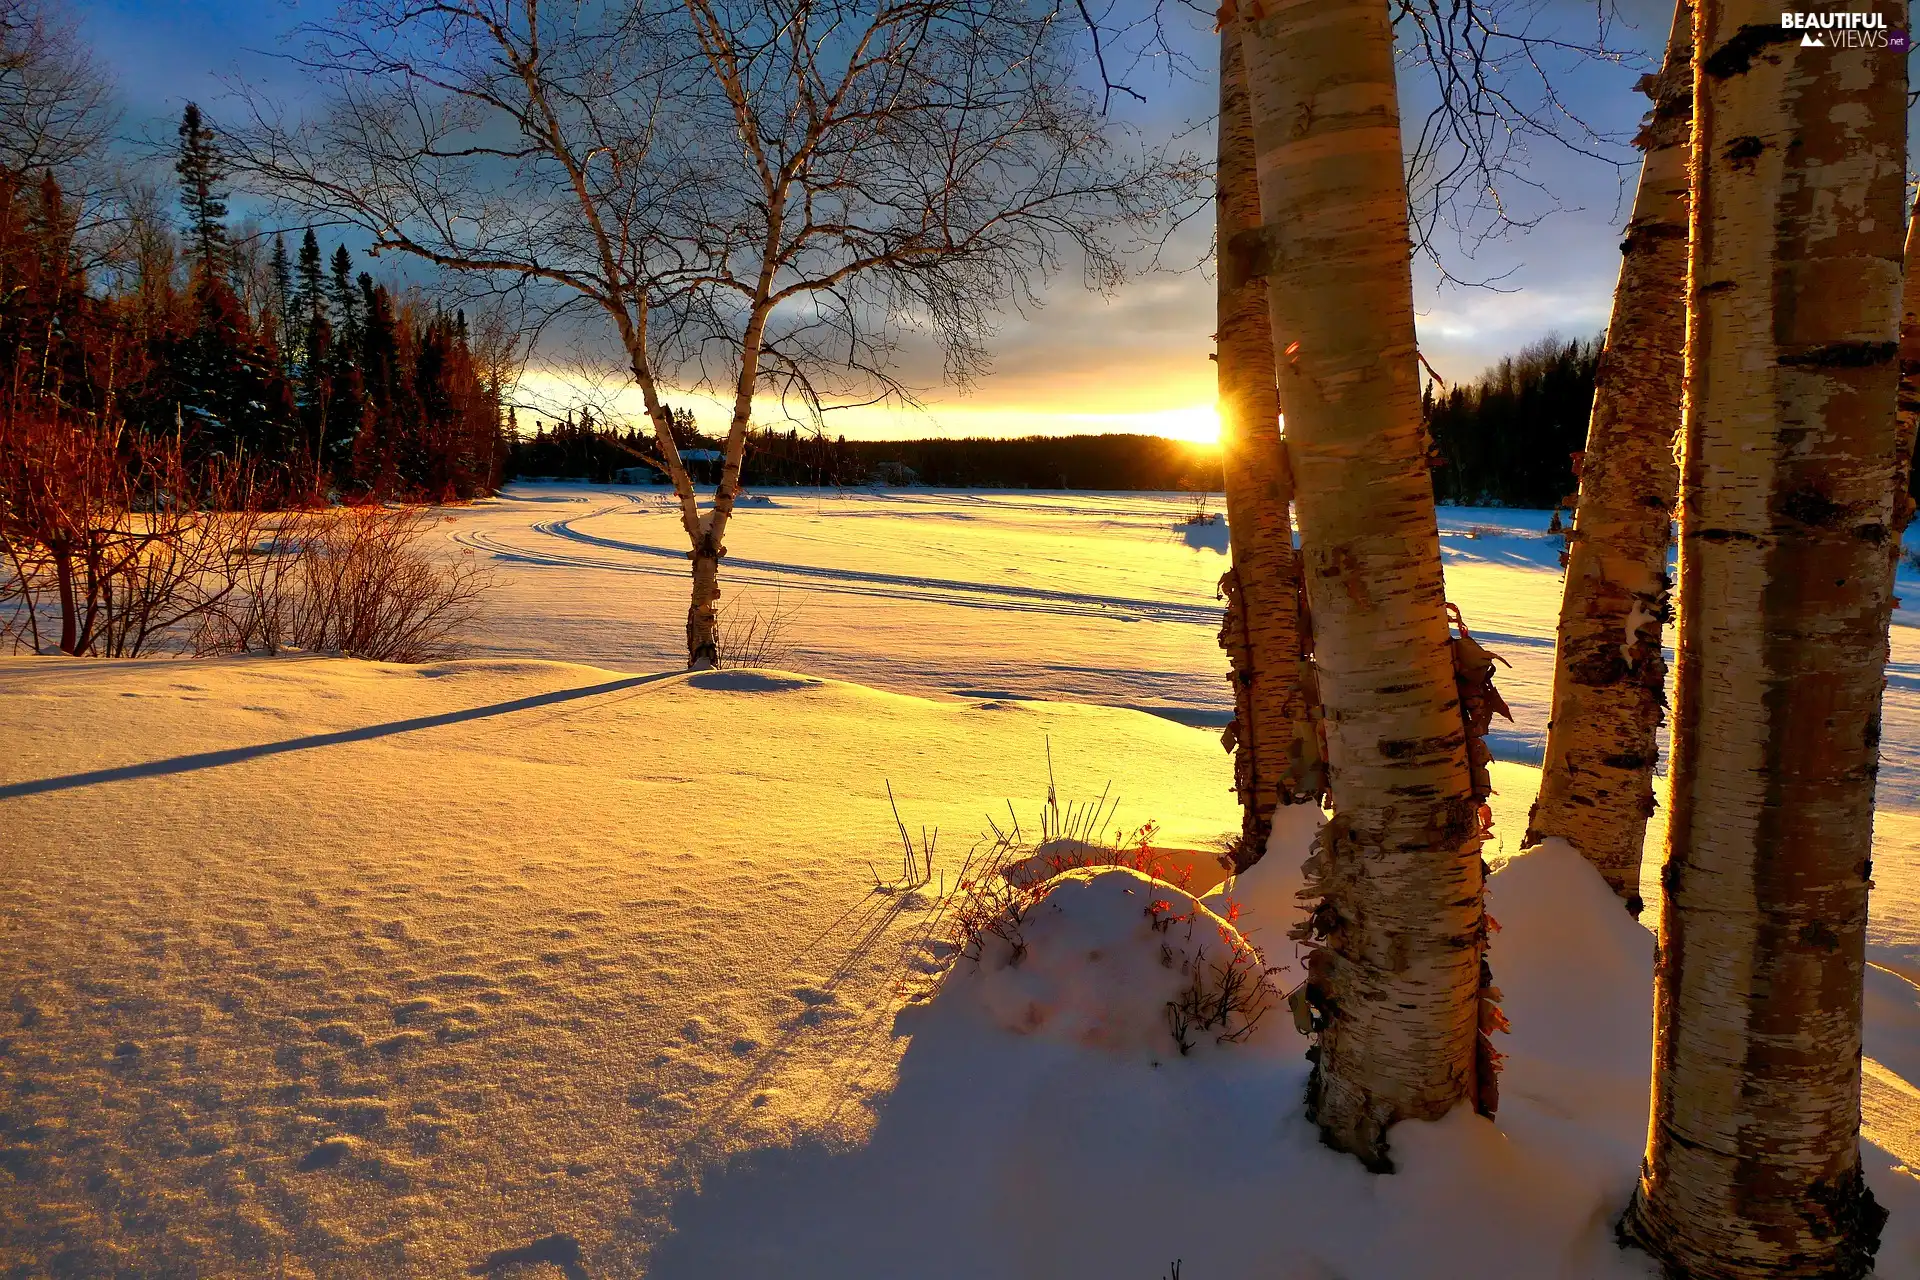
column 1274, row 734
column 1396, row 977
column 1787, row 506
column 1609, row 677
column 759, row 199
column 1908, row 420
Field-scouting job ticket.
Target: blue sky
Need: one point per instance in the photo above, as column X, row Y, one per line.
column 1056, row 369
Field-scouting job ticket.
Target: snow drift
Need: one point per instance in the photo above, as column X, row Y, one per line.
column 1045, row 1125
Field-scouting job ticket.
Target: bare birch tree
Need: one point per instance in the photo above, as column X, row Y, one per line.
column 759, row 198
column 1396, row 977
column 1787, row 505
column 1275, row 733
column 1609, row 677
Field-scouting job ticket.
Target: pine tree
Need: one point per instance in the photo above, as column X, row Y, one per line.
column 373, row 448
column 202, row 170
column 222, row 381
column 346, row 300
column 280, row 301
column 309, row 293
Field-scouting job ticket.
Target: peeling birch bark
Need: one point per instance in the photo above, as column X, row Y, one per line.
column 1609, row 678
column 1753, row 1166
column 1399, row 932
column 1909, row 413
column 1274, row 735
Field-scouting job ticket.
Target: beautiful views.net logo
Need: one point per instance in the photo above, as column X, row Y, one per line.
column 1845, row 31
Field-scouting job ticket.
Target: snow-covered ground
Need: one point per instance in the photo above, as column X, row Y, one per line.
column 543, row 962
column 1083, row 597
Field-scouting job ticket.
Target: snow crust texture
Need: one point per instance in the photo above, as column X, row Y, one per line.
column 516, row 966
column 361, row 970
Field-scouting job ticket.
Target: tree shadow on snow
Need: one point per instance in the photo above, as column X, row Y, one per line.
column 238, row 755
column 558, row 1250
column 985, row 1164
column 814, row 1209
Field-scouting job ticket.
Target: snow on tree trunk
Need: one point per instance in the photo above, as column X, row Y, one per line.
column 1275, row 740
column 1609, row 678
column 1394, row 979
column 1753, row 1164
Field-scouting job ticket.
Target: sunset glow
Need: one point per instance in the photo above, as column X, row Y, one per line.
column 547, row 393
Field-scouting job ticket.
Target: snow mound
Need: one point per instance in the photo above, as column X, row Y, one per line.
column 1576, row 970
column 1194, row 870
column 1109, row 958
column 752, row 680
column 1036, row 1151
column 1267, row 894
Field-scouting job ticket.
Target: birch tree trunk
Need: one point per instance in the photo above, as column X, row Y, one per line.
column 704, row 550
column 1909, row 416
column 1609, row 678
column 1787, row 505
column 1274, row 735
column 62, row 552
column 1395, row 978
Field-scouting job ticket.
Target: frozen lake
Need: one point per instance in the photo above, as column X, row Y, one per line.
column 1069, row 596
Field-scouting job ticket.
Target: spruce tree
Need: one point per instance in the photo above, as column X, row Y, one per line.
column 373, row 454
column 222, row 384
column 309, row 293
column 202, row 170
column 280, row 301
column 346, row 300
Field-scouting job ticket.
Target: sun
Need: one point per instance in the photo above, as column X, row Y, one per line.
column 1198, row 423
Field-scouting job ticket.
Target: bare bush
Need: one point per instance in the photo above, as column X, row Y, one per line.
column 109, row 545
column 757, row 637
column 354, row 581
column 1224, row 995
column 1007, row 870
column 1226, row 988
column 1199, row 509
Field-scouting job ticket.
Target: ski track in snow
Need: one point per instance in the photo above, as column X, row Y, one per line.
column 851, row 581
column 914, row 581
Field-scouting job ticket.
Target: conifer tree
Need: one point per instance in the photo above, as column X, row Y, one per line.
column 201, row 171
column 309, row 292
column 222, row 384
column 346, row 300
column 280, row 300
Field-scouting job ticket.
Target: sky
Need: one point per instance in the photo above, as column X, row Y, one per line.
column 1136, row 360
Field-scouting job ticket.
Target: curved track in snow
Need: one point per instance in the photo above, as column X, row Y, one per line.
column 643, row 557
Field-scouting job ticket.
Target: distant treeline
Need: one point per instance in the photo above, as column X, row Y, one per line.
column 584, row 450
column 1509, row 437
column 1048, row 462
